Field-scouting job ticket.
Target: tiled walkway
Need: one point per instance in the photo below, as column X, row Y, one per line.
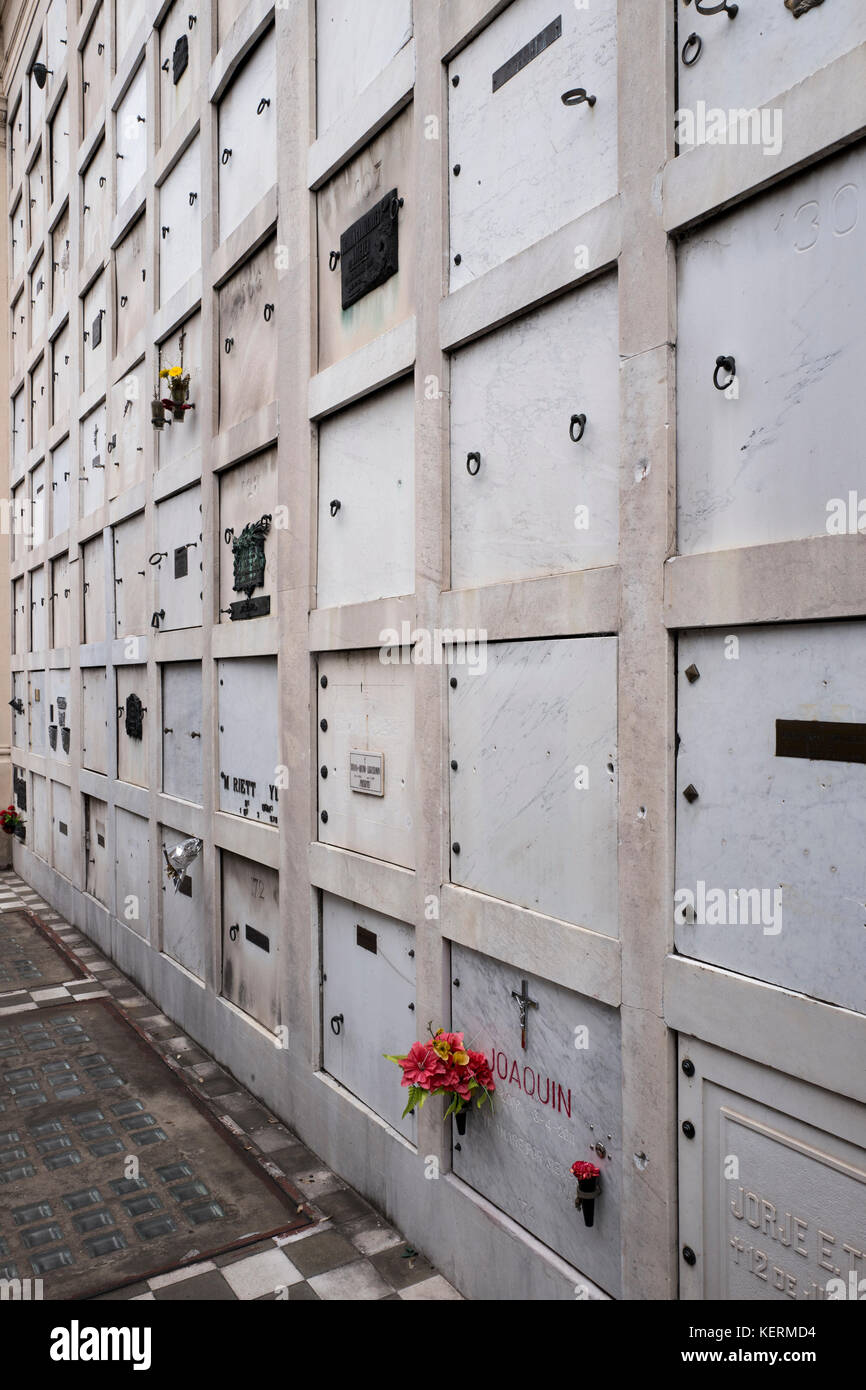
column 350, row 1253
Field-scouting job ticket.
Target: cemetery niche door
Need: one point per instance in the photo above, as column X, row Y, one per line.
column 532, row 122
column 368, row 1002
column 179, row 65
column 59, row 725
column 96, row 848
column 178, row 561
column 248, row 338
column 94, row 724
column 182, row 730
column 60, row 470
column 180, row 223
column 38, row 713
column 555, row 1056
column 770, row 878
column 366, row 755
column 538, row 400
column 132, row 871
column 93, row 582
column 248, row 544
column 39, row 816
column 775, row 287
column 131, row 290
column 184, row 922
column 61, row 602
column 130, row 577
column 534, row 776
column 366, row 544
column 248, row 739
column 63, row 853
column 126, row 446
column 771, row 1184
column 251, row 937
column 133, row 722
column 248, row 137
column 180, row 438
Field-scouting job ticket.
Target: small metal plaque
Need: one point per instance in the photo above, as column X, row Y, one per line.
column 179, row 59
column 820, row 740
column 65, row 735
column 63, row 827
column 185, row 886
column 134, row 717
column 19, row 785
column 52, row 735
column 368, row 250
column 367, row 773
column 526, row 54
column 96, row 332
column 250, row 608
column 100, row 840
column 181, row 562
column 257, row 938
column 367, row 939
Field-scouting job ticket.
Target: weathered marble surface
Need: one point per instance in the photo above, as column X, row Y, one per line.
column 776, row 824
column 553, row 1103
column 522, row 734
column 776, row 284
column 528, row 163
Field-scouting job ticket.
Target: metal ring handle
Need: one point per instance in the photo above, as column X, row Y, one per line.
column 396, row 204
column 265, row 101
column 335, row 506
column 693, row 40
column 580, row 421
column 576, row 96
column 269, row 312
column 233, row 931
column 229, row 344
column 722, row 8
column 157, row 556
column 229, row 533
column 727, row 364
column 475, row 458
column 333, row 259
column 225, row 156
column 337, row 1025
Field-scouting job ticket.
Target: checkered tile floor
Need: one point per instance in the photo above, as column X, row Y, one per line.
column 351, row 1253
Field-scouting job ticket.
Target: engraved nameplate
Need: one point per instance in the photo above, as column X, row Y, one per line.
column 367, row 773
column 250, row 608
column 63, row 827
column 185, row 886
column 368, row 250
column 819, row 740
column 527, row 53
column 96, row 333
column 181, row 562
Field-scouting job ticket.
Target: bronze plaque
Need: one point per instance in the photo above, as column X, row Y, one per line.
column 527, row 53
column 368, row 250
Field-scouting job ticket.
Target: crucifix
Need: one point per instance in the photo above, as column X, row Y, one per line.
column 524, row 1003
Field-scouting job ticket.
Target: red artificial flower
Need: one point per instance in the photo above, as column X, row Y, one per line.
column 582, row 1170
column 421, row 1067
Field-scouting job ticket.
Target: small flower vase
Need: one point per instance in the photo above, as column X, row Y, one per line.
column 157, row 414
column 587, row 1191
column 178, row 387
column 21, row 832
column 460, row 1121
column 9, row 829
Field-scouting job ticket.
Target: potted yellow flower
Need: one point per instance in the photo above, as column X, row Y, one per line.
column 178, row 385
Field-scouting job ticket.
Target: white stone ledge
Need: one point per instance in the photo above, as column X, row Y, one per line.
column 128, row 503
column 167, row 481
column 175, row 144
column 821, row 114
column 532, row 276
column 358, row 626
column 461, row 20
column 93, row 654
column 261, row 638
column 374, row 108
column 181, row 815
column 250, row 839
column 373, row 366
column 177, row 309
column 794, row 1034
column 792, row 581
column 93, row 783
column 186, row 644
column 130, row 798
column 129, row 213
column 246, row 31
column 582, row 603
column 258, row 431
column 371, row 883
column 130, row 62
column 118, row 650
column 246, row 238
column 580, row 960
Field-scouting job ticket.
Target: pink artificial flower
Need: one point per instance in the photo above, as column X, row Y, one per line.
column 421, row 1067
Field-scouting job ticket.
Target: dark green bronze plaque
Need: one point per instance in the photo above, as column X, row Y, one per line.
column 368, row 250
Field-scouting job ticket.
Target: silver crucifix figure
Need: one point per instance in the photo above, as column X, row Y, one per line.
column 524, row 1003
